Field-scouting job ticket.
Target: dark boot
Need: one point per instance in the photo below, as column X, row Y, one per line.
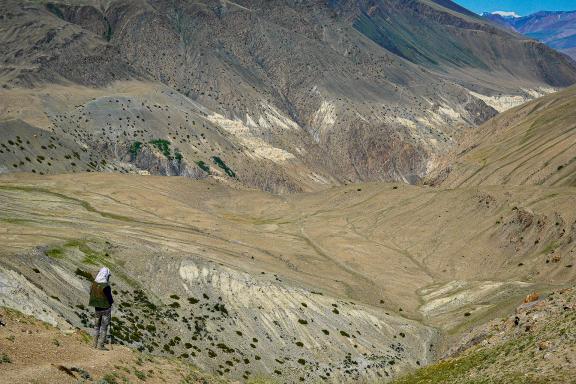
column 95, row 342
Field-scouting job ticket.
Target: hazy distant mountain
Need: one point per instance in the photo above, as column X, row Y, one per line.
column 556, row 29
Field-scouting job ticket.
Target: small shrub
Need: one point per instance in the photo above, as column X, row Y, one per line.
column 220, row 163
column 135, row 149
column 5, row 359
column 178, row 156
column 55, row 253
column 163, row 146
column 108, row 379
column 139, row 374
column 87, row 275
column 203, row 166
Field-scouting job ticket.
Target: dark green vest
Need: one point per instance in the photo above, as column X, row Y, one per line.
column 98, row 298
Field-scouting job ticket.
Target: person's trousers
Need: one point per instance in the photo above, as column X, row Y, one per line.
column 102, row 319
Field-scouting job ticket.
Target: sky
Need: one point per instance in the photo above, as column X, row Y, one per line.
column 521, row 7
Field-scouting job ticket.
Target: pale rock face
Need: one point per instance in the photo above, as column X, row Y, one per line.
column 254, row 146
column 323, row 119
column 272, row 310
column 502, row 103
column 18, row 293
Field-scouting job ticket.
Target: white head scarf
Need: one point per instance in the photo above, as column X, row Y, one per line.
column 103, row 275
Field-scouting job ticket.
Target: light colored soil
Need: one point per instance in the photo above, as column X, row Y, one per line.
column 37, row 350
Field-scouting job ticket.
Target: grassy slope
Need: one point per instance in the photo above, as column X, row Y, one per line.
column 530, row 144
column 540, row 349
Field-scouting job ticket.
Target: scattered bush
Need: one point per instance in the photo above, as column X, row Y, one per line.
column 178, row 156
column 220, row 163
column 135, row 149
column 162, row 145
column 55, row 253
column 203, row 166
column 87, row 275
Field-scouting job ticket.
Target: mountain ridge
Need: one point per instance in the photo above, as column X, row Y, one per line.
column 555, row 28
column 334, row 103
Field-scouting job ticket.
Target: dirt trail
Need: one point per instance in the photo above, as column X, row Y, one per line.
column 34, row 352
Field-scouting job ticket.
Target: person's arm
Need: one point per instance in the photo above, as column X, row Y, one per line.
column 108, row 293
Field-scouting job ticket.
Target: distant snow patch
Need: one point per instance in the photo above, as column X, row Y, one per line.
column 506, row 14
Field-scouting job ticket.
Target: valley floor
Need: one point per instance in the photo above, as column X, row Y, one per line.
column 360, row 283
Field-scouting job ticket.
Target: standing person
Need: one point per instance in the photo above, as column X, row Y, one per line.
column 101, row 300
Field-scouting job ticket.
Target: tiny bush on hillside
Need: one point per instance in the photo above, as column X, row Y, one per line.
column 178, row 156
column 108, row 33
column 135, row 149
column 203, row 166
column 162, row 145
column 55, row 253
column 87, row 275
column 220, row 163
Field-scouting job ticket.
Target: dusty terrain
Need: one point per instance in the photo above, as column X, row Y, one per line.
column 35, row 352
column 351, row 283
column 353, row 270
column 283, row 96
column 533, row 144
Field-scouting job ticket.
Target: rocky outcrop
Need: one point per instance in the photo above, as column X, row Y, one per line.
column 290, row 97
column 227, row 322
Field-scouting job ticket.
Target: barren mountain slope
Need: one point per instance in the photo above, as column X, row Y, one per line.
column 289, row 95
column 309, row 285
column 535, row 344
column 531, row 144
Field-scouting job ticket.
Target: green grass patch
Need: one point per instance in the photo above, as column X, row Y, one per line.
column 98, row 258
column 108, row 33
column 53, row 8
column 5, row 359
column 550, row 247
column 503, row 361
column 163, row 146
column 55, row 253
column 178, row 156
column 135, row 149
column 220, row 163
column 203, row 166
